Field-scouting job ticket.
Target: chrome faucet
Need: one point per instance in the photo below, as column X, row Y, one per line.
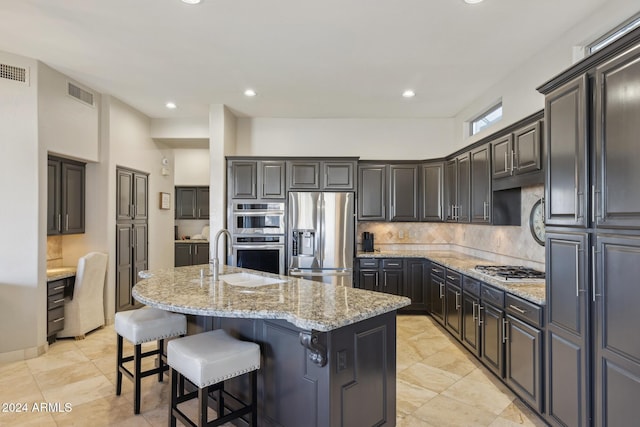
column 215, row 261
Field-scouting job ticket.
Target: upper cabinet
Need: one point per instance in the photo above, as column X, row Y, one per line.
column 192, row 202
column 257, row 179
column 458, row 185
column 330, row 175
column 566, row 145
column 403, row 192
column 388, row 192
column 65, row 196
column 481, row 184
column 516, row 157
column 131, row 197
column 372, row 192
column 432, row 191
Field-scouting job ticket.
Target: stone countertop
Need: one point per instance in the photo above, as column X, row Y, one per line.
column 191, row 241
column 306, row 304
column 531, row 291
column 58, row 273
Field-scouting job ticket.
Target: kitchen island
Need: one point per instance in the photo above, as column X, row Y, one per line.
column 328, row 352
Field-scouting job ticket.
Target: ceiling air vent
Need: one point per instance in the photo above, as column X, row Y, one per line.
column 17, row 74
column 80, row 94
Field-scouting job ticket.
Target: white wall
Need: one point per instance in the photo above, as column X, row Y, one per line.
column 518, row 87
column 180, row 128
column 191, row 166
column 67, row 126
column 22, row 259
column 367, row 138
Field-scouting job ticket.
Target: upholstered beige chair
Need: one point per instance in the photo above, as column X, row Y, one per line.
column 85, row 312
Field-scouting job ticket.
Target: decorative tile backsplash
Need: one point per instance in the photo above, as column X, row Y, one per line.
column 508, row 244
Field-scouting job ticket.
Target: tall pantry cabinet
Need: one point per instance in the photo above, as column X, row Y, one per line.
column 132, row 229
column 592, row 137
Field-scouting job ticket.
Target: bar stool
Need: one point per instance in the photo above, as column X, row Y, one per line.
column 207, row 360
column 141, row 326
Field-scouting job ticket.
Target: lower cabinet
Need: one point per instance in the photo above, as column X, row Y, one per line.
column 191, row 254
column 131, row 258
column 397, row 276
column 471, row 315
column 492, row 333
column 55, row 305
column 523, row 371
column 436, row 293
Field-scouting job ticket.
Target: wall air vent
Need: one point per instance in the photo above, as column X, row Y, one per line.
column 17, row 74
column 80, row 94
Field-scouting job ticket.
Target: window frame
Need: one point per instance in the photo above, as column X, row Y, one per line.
column 610, row 36
column 483, row 117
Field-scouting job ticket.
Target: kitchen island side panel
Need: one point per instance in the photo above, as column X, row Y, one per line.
column 356, row 386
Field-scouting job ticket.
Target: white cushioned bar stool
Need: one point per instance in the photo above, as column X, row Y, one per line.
column 138, row 327
column 207, row 360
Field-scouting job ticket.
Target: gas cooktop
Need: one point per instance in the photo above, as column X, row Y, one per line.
column 510, row 272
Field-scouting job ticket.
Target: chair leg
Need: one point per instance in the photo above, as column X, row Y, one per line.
column 254, row 399
column 160, row 360
column 137, row 368
column 119, row 364
column 221, row 400
column 203, row 400
column 173, row 385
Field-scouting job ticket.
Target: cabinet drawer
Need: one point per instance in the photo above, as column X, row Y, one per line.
column 492, row 295
column 437, row 270
column 55, row 314
column 368, row 263
column 55, row 325
column 55, row 301
column 56, row 286
column 524, row 310
column 388, row 264
column 471, row 286
column 454, row 277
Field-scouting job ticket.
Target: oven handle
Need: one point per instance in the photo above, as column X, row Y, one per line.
column 258, row 247
column 254, row 213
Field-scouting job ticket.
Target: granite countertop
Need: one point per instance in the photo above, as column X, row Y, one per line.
column 531, row 291
column 192, row 241
column 306, row 304
column 58, row 273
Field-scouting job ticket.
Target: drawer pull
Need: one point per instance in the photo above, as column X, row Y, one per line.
column 393, row 264
column 57, row 288
column 58, row 320
column 436, row 270
column 58, row 301
column 451, row 277
column 518, row 309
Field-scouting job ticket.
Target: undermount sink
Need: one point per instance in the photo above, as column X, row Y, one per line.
column 249, row 280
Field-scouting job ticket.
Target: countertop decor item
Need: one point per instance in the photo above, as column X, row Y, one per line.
column 536, row 221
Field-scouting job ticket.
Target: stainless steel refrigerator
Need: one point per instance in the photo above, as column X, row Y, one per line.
column 320, row 243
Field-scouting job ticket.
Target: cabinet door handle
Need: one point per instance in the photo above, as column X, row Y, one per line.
column 513, row 161
column 131, row 211
column 594, row 205
column 577, row 272
column 485, row 214
column 59, row 222
column 593, row 272
column 506, row 161
column 518, row 309
column 473, row 312
column 457, row 300
column 66, row 222
column 504, row 330
column 196, row 249
column 480, row 321
column 376, row 280
column 577, row 204
column 441, row 290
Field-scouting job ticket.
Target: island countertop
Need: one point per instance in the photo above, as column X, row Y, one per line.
column 306, row 304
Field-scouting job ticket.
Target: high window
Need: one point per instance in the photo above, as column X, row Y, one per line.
column 487, row 118
column 613, row 35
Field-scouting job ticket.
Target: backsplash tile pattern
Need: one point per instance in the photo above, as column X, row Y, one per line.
column 54, row 251
column 508, row 244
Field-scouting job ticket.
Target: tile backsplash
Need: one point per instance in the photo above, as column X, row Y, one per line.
column 513, row 242
column 54, row 251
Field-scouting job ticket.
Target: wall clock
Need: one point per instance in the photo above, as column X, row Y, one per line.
column 536, row 221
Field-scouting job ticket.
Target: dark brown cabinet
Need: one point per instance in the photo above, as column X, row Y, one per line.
column 432, row 191
column 132, row 234
column 372, row 192
column 517, row 153
column 481, row 185
column 566, row 170
column 458, row 185
column 56, row 290
column 470, row 336
column 304, row 174
column 403, row 192
column 453, row 309
column 65, row 196
column 493, row 329
column 191, row 254
column 257, row 179
column 416, row 282
column 192, row 202
column 437, row 293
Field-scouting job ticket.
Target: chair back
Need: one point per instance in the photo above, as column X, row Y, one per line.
column 90, row 276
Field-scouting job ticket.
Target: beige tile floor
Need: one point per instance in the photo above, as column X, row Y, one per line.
column 439, row 384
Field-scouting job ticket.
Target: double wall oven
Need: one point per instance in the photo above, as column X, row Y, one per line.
column 257, row 230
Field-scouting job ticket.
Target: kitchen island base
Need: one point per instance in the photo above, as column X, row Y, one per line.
column 344, row 377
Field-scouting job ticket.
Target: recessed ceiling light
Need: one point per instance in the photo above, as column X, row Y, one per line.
column 468, row 1
column 171, row 105
column 191, row 1
column 408, row 93
column 250, row 92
